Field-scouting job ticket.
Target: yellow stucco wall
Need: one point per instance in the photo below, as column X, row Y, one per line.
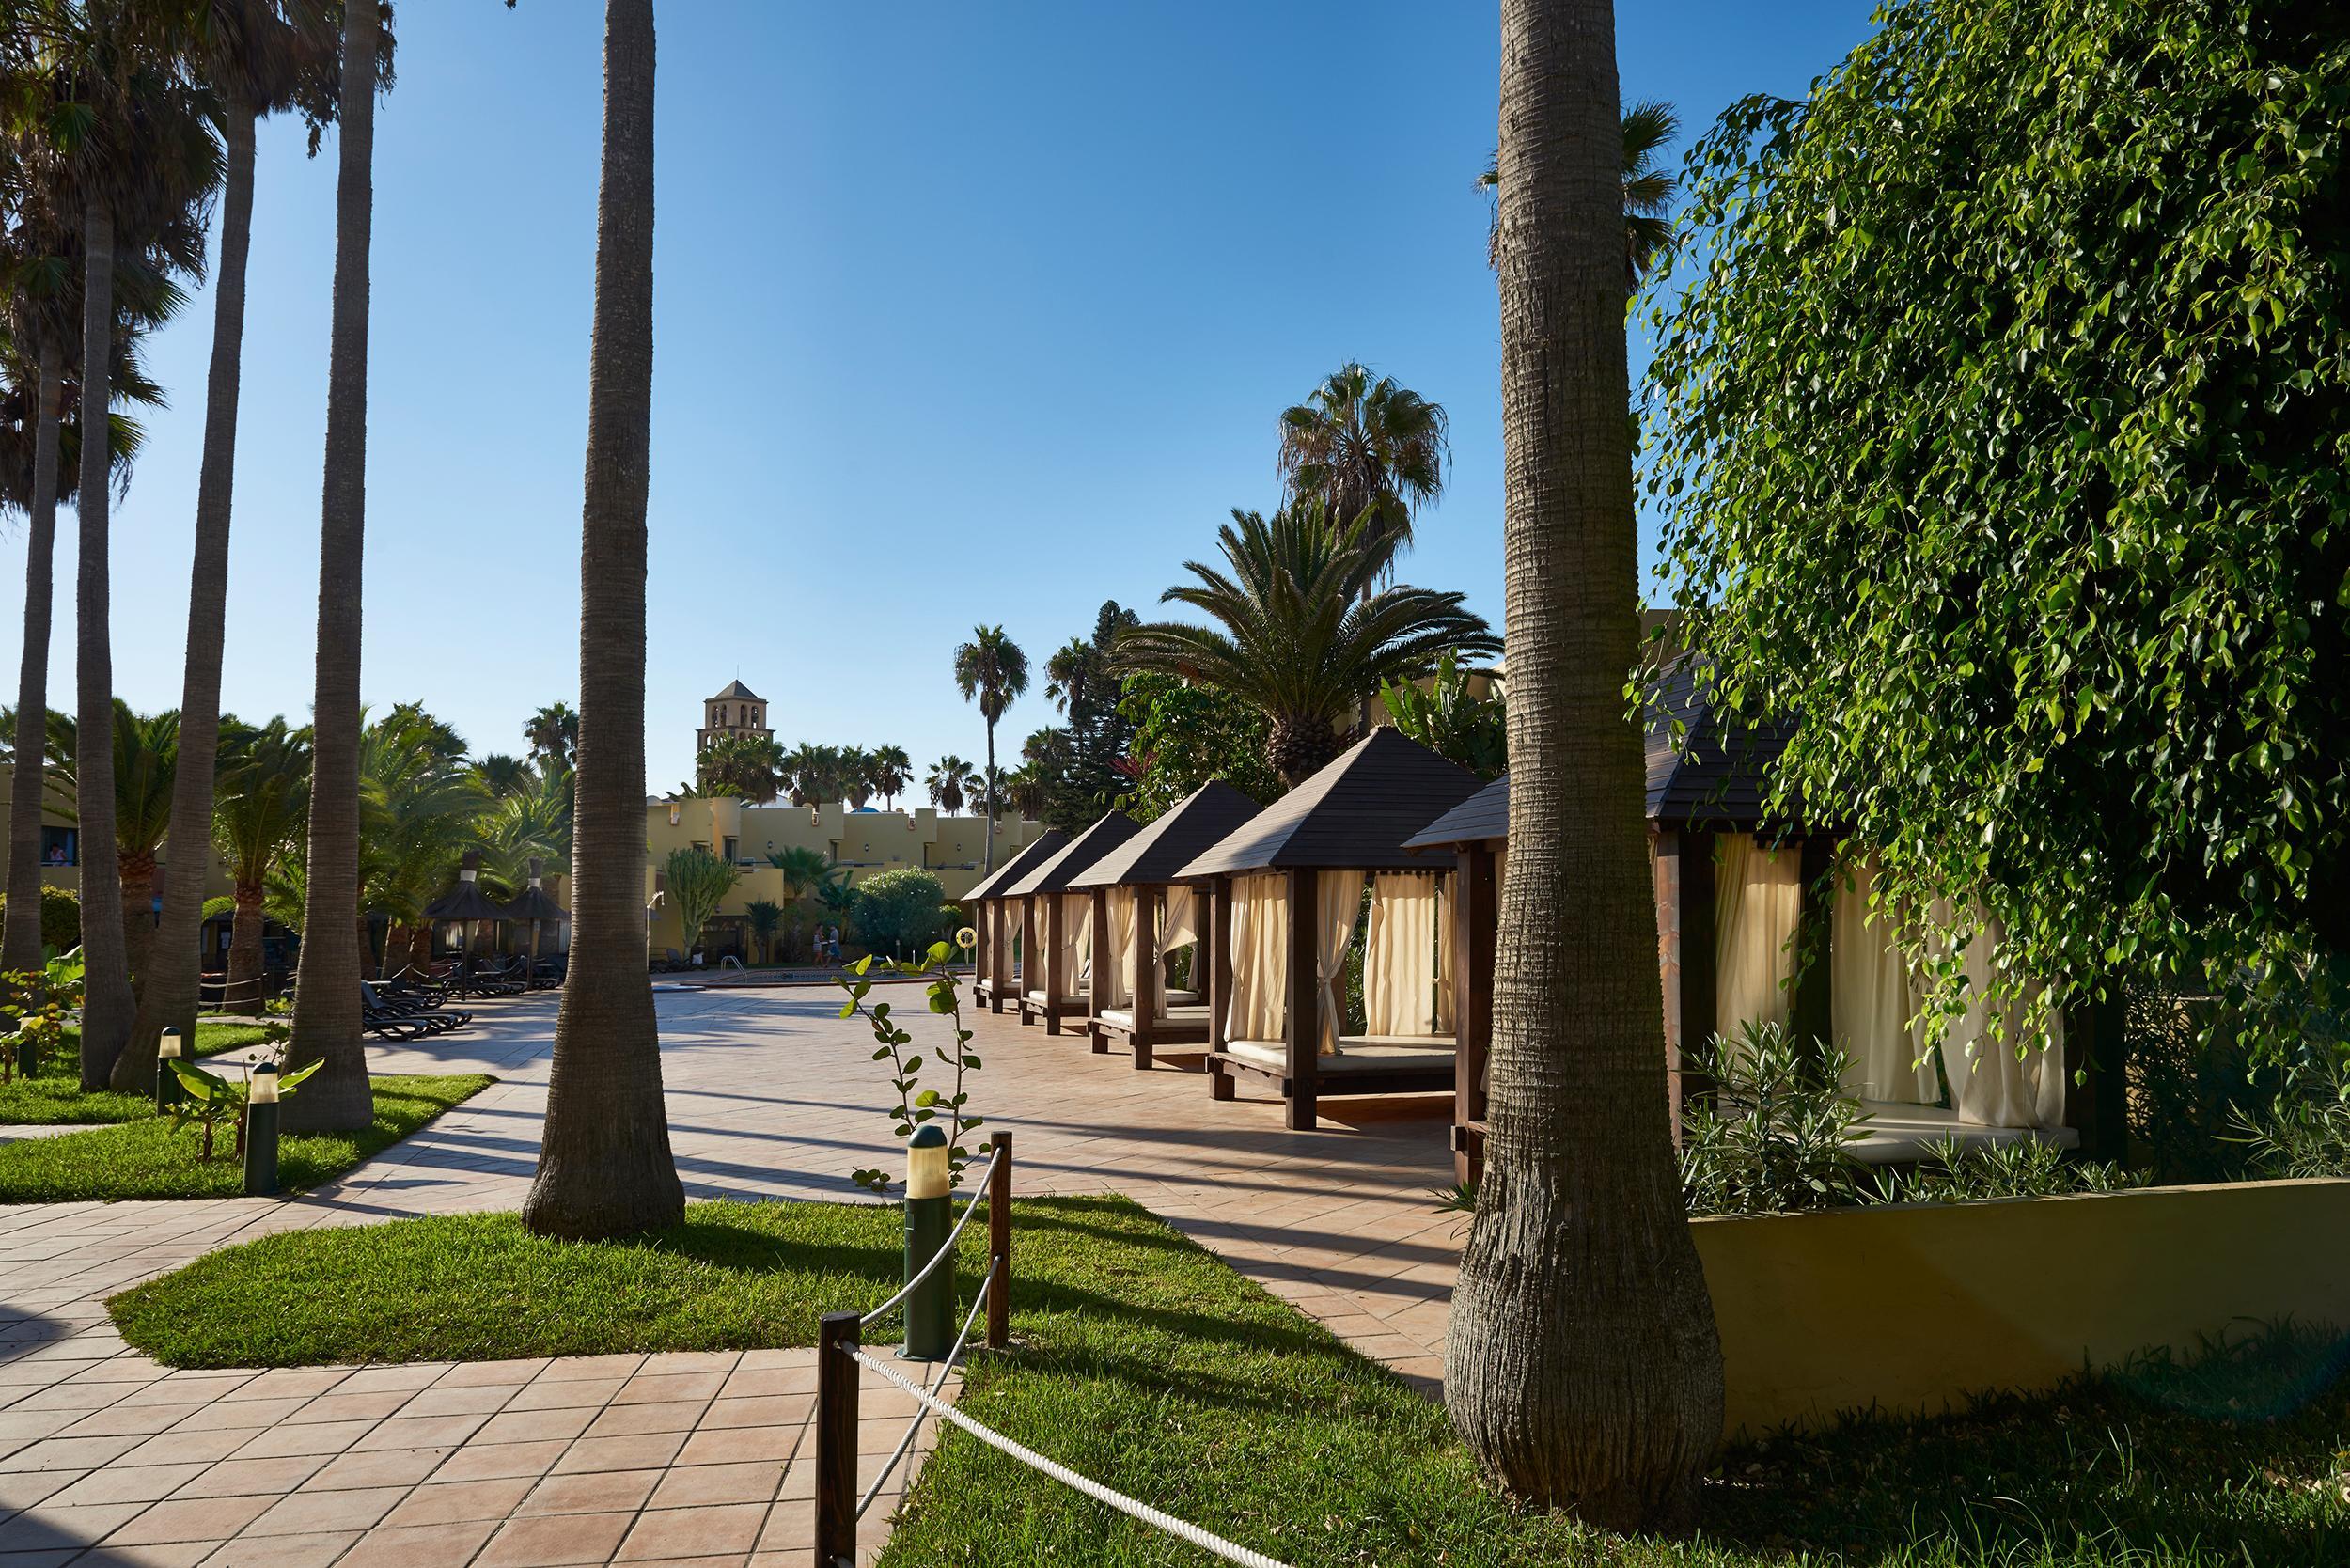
column 864, row 843
column 1911, row 1308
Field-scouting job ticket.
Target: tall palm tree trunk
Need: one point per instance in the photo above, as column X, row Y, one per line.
column 20, row 943
column 107, row 1001
column 244, row 991
column 168, row 982
column 327, row 983
column 604, row 1166
column 1582, row 1366
column 988, row 784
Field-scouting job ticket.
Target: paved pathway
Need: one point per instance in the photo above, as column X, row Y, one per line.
column 107, row 1458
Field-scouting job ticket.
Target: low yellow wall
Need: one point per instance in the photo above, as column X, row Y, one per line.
column 1911, row 1308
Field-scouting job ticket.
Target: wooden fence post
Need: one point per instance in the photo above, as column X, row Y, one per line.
column 999, row 1245
column 837, row 1379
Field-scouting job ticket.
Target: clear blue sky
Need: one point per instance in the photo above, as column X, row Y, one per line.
column 964, row 312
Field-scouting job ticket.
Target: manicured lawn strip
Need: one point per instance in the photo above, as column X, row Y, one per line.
column 1147, row 1363
column 53, row 1097
column 146, row 1159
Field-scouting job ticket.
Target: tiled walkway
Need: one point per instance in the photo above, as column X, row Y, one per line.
column 583, row 1460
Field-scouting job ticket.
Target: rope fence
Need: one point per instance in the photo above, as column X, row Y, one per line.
column 841, row 1352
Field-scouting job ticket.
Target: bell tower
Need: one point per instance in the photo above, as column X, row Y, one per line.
column 736, row 710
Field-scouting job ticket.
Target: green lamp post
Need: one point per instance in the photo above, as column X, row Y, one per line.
column 261, row 1132
column 167, row 1092
column 931, row 1307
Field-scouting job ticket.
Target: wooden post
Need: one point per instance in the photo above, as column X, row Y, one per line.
column 1476, row 905
column 1811, row 1014
column 1101, row 946
column 1685, row 939
column 1146, row 970
column 1059, row 981
column 1027, row 958
column 1302, row 1026
column 837, row 1378
column 999, row 955
column 1217, row 953
column 999, row 1245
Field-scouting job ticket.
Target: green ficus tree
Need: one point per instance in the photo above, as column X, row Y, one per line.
column 2001, row 431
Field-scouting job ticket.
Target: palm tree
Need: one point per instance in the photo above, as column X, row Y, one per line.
column 143, row 160
column 552, row 733
column 147, row 760
column 991, row 670
column 260, row 57
column 750, row 766
column 1026, row 788
column 803, row 870
column 892, row 770
column 604, row 1165
column 1302, row 630
column 258, row 811
column 1649, row 127
column 1582, row 1367
column 420, row 807
column 502, row 774
column 326, row 985
column 950, row 780
column 1369, row 447
column 766, row 918
column 857, row 776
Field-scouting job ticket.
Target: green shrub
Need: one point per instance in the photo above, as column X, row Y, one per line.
column 60, row 919
column 902, row 912
column 1957, row 1173
column 1773, row 1135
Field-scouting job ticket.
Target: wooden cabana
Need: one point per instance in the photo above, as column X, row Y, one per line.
column 1285, row 892
column 1740, row 896
column 1056, row 924
column 994, row 917
column 1142, row 913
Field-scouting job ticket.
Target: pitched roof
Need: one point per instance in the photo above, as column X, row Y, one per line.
column 1353, row 815
column 1045, row 845
column 1165, row 847
column 735, row 690
column 534, row 905
column 1077, row 855
column 1717, row 776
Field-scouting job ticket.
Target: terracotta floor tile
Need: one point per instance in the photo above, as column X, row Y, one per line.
column 493, row 1461
column 531, row 1426
column 467, row 1374
column 571, row 1367
column 621, row 1453
column 660, row 1388
column 282, row 1551
column 121, row 1484
column 706, row 1531
column 306, row 1513
column 461, row 1398
column 49, row 1529
column 633, row 1420
column 552, row 1541
column 698, row 1485
column 418, row 1431
column 419, row 1546
column 740, row 1444
column 361, row 1406
column 564, row 1393
column 171, row 1447
column 234, row 1477
column 458, row 1502
column 285, row 1442
column 592, row 1492
column 760, row 1410
column 383, row 1468
column 193, row 1519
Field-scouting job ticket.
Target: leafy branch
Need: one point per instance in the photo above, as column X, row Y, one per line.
column 917, row 1105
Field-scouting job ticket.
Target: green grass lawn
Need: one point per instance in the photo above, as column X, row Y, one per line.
column 54, row 1096
column 1145, row 1362
column 146, row 1159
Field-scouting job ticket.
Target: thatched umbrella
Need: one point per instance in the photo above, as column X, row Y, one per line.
column 465, row 904
column 538, row 909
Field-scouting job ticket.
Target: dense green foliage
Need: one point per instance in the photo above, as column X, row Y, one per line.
column 1144, row 1361
column 1452, row 717
column 1186, row 734
column 1073, row 772
column 699, row 880
column 2003, row 434
column 60, row 917
column 146, row 1159
column 900, row 913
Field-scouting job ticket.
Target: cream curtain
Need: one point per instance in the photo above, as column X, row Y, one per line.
column 1399, row 955
column 1757, row 896
column 1991, row 1086
column 1074, row 921
column 1873, row 1007
column 1117, row 987
column 1178, row 925
column 1261, row 934
column 1444, row 954
column 1338, row 903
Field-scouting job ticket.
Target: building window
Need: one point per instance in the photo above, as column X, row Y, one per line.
column 60, row 846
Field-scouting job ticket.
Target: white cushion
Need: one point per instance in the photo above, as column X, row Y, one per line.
column 1357, row 1053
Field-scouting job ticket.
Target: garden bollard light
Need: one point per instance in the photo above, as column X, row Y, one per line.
column 930, row 1308
column 166, row 1081
column 261, row 1132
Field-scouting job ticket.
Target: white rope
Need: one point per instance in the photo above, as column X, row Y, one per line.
column 1205, row 1539
column 947, row 1248
column 937, row 1383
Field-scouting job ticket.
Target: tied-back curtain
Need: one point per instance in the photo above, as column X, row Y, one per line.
column 1073, row 921
column 1399, row 968
column 1445, row 888
column 1338, row 903
column 1116, row 988
column 1178, row 915
column 1991, row 1086
column 1757, row 896
column 1261, row 934
column 1873, row 1003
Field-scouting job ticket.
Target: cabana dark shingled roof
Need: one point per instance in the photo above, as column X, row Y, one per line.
column 1717, row 777
column 1353, row 815
column 1193, row 826
column 1077, row 855
column 1047, row 844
